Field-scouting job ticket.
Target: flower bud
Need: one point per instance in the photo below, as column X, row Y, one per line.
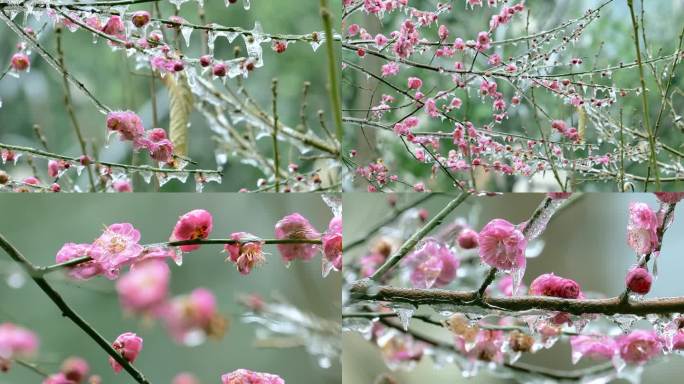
column 20, row 62
column 468, row 239
column 639, row 280
column 205, row 60
column 140, row 18
column 520, row 342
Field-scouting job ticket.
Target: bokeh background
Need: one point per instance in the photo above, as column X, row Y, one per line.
column 585, row 242
column 606, row 42
column 37, row 97
column 39, row 225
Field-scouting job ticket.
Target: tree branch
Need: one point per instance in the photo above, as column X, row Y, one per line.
column 67, row 311
column 74, row 262
column 609, row 306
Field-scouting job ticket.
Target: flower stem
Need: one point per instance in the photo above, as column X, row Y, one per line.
column 335, row 100
column 644, row 100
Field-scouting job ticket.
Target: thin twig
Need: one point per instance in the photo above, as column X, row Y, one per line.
column 417, row 236
column 73, row 262
column 274, row 135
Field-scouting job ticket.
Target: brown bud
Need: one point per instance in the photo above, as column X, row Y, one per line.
column 4, row 177
column 383, row 247
column 460, row 325
column 520, row 342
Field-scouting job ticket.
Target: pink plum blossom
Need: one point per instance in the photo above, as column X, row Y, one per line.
column 595, row 347
column 20, row 62
column 118, row 247
column 332, row 243
column 145, row 287
column 75, row 368
column 390, row 69
column 296, row 227
column 487, row 346
column 128, row 345
column 126, row 123
column 381, row 40
column 122, row 185
column 196, row 224
column 246, row 253
column 185, row 378
column 415, row 82
column 244, row 376
column 642, row 234
column 433, row 264
column 58, row 378
column 15, row 342
column 82, row 271
column 549, row 284
column 670, row 197
column 502, row 245
column 639, row 346
column 186, row 314
column 53, row 168
column 114, row 26
column 160, row 148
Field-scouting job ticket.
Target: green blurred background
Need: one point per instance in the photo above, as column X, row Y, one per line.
column 37, row 97
column 39, row 225
column 605, row 43
column 585, row 242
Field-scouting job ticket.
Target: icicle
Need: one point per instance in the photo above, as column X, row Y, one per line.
column 186, row 32
column 326, row 266
column 625, row 322
column 517, row 275
column 334, row 202
column 539, row 225
column 405, row 312
column 146, row 175
column 356, row 324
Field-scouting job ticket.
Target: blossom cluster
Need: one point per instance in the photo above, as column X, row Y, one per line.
column 144, row 289
column 149, row 40
column 17, row 342
column 431, row 67
column 130, row 128
column 493, row 338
